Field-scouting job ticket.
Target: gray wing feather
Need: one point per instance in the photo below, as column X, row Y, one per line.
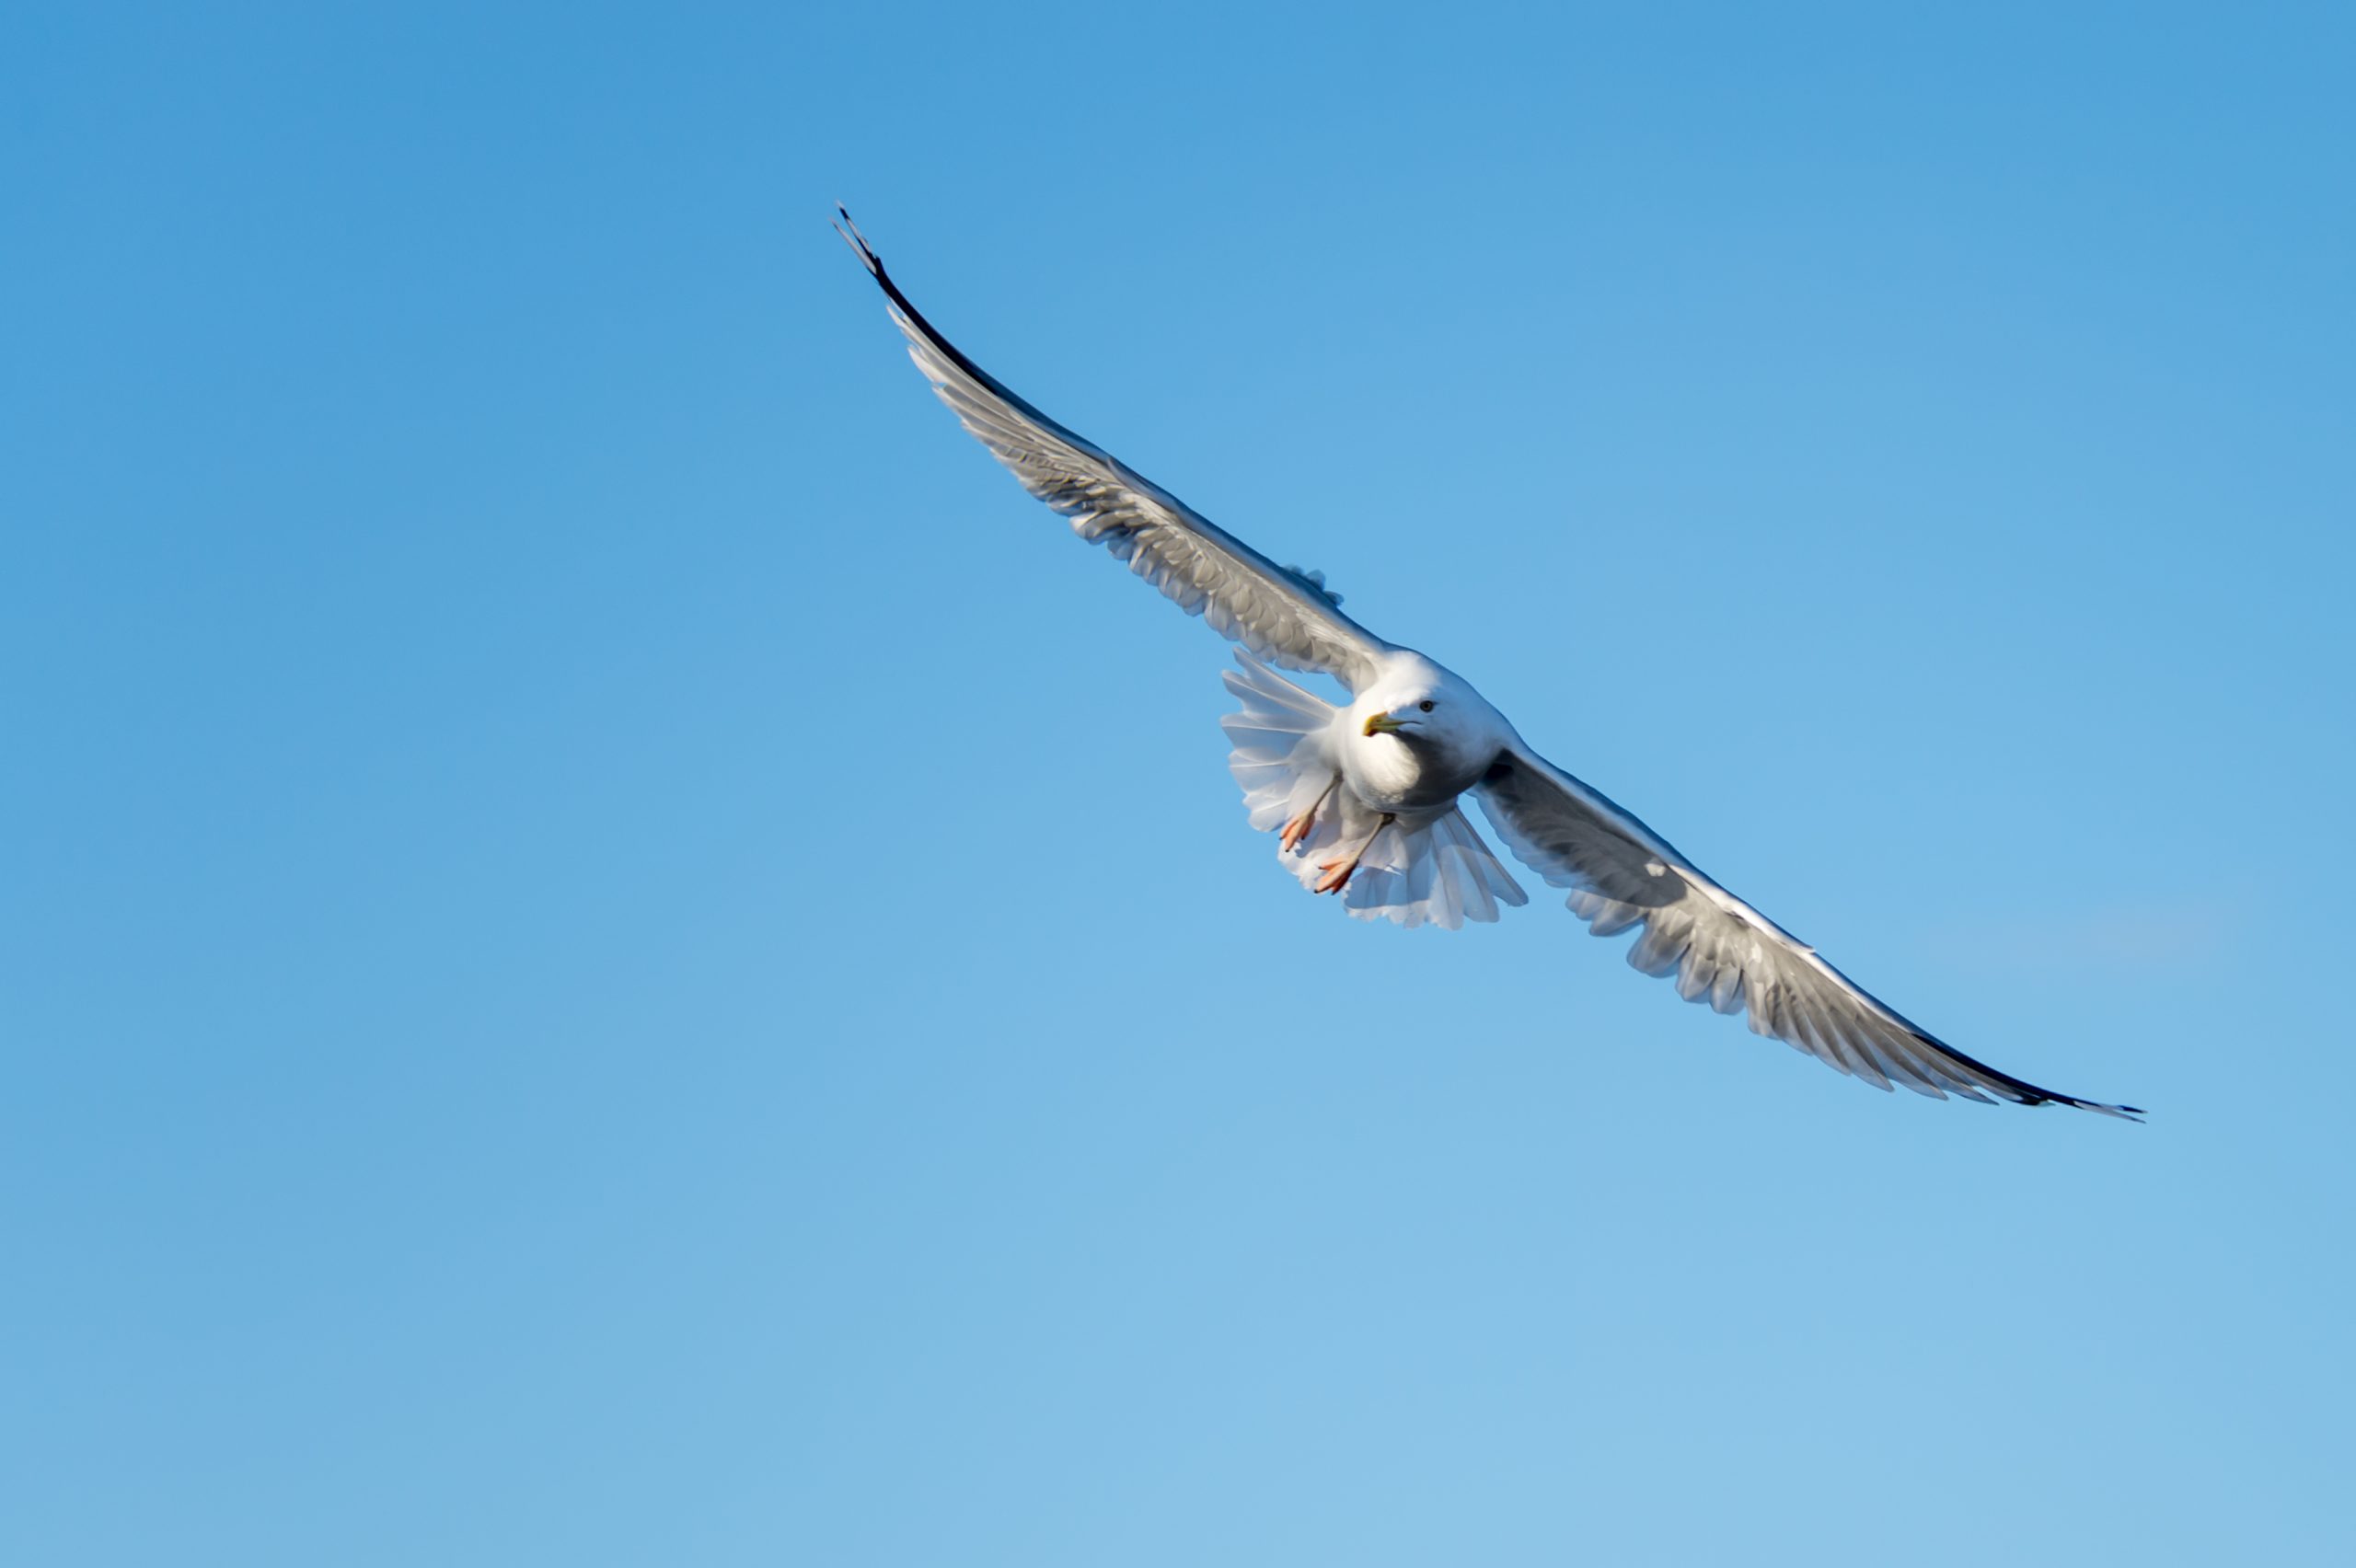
column 1281, row 614
column 1720, row 950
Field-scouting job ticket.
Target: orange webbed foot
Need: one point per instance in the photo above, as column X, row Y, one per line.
column 1298, row 830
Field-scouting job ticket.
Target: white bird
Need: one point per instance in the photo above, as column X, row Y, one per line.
column 1366, row 798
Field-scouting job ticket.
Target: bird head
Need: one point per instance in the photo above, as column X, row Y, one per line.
column 1431, row 712
column 1402, row 719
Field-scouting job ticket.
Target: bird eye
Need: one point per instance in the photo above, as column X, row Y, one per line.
column 1427, row 705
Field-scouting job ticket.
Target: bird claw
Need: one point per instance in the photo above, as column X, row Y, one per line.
column 1341, row 868
column 1298, row 830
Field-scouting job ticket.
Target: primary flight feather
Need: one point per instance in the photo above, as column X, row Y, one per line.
column 1366, row 798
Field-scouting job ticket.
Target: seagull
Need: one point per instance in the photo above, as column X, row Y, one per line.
column 1366, row 798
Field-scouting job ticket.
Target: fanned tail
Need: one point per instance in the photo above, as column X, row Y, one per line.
column 1439, row 872
column 1436, row 870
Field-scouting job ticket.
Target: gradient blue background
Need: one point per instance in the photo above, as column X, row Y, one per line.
column 613, row 950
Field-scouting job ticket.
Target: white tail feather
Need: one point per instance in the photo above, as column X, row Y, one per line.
column 1435, row 871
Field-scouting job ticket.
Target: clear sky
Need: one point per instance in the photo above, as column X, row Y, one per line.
column 614, row 950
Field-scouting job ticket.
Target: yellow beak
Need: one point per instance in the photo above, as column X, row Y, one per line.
column 1382, row 724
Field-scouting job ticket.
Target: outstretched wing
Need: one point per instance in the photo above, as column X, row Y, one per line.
column 1621, row 874
column 1279, row 613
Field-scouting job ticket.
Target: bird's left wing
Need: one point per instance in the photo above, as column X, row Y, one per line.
column 1279, row 613
column 1622, row 873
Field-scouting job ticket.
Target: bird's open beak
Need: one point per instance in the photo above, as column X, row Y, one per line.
column 1382, row 724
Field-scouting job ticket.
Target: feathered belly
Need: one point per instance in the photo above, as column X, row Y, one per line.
column 1390, row 775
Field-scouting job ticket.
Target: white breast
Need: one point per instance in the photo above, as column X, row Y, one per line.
column 1386, row 773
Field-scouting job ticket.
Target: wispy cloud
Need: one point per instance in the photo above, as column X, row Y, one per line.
column 2134, row 935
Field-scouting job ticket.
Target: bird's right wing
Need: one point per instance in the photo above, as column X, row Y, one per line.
column 1622, row 873
column 1279, row 613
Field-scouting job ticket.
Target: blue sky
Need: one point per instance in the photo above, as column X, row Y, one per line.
column 612, row 949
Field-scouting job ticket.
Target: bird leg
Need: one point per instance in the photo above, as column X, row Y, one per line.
column 1299, row 827
column 1339, row 869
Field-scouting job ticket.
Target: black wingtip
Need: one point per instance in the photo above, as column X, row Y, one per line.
column 910, row 316
column 2124, row 1112
column 2020, row 1092
column 858, row 242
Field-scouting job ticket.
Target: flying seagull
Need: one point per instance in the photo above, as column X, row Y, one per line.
column 1366, row 799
